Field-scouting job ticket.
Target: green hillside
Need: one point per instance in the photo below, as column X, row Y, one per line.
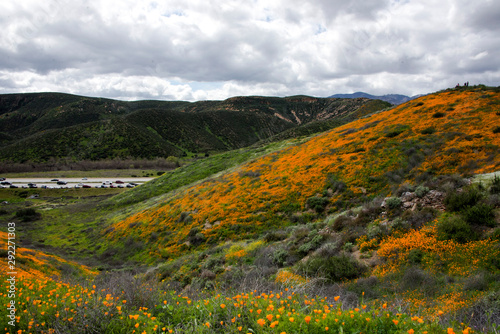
column 39, row 127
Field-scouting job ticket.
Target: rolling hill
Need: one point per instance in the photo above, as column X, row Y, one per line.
column 446, row 133
column 391, row 98
column 39, row 127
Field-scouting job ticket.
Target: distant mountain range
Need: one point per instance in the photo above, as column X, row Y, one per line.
column 391, row 98
column 39, row 127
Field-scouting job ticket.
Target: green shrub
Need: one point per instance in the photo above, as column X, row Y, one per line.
column 279, row 256
column 195, row 237
column 393, row 203
column 376, row 230
column 495, row 185
column 348, row 246
column 415, row 278
column 480, row 214
column 275, row 236
column 334, row 269
column 496, row 129
column 185, row 217
column 318, row 204
column 455, row 228
column 335, row 184
column 28, row 215
column 415, row 256
column 418, row 218
column 341, row 221
column 366, row 286
column 428, row 131
column 421, row 191
column 438, row 114
column 476, row 282
column 399, row 224
column 311, row 245
column 457, row 201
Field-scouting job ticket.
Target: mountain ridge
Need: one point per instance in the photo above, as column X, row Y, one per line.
column 395, row 99
column 67, row 126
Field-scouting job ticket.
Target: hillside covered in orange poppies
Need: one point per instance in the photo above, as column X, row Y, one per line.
column 451, row 132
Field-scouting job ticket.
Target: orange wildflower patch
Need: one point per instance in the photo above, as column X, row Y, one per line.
column 37, row 264
column 459, row 259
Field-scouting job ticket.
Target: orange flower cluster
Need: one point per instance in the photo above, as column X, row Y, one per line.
column 288, row 278
column 460, row 259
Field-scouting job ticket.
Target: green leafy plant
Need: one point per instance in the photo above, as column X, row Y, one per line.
column 453, row 227
column 318, row 204
column 334, row 268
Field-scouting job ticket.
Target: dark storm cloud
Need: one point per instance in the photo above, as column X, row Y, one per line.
column 144, row 49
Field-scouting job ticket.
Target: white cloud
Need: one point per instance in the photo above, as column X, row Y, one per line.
column 192, row 50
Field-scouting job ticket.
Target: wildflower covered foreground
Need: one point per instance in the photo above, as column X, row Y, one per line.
column 47, row 306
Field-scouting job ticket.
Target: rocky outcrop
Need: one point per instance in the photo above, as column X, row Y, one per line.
column 410, row 201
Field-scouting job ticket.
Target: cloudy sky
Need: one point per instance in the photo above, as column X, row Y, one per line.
column 211, row 50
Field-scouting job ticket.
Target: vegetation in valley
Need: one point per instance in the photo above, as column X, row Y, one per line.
column 56, row 130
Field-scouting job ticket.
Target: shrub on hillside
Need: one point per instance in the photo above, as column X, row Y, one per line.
column 476, row 282
column 368, row 213
column 334, row 269
column 480, row 214
column 428, row 131
column 453, row 227
column 418, row 218
column 28, row 215
column 421, row 191
column 484, row 314
column 272, row 236
column 393, row 203
column 185, row 217
column 495, row 235
column 195, row 236
column 279, row 257
column 458, row 201
column 495, row 185
column 376, row 230
column 328, row 249
column 446, row 183
column 341, row 221
column 399, row 224
column 416, row 278
column 415, row 256
column 313, row 244
column 318, row 204
column 335, row 184
column 366, row 287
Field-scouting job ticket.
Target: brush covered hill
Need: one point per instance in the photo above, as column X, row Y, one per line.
column 43, row 126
